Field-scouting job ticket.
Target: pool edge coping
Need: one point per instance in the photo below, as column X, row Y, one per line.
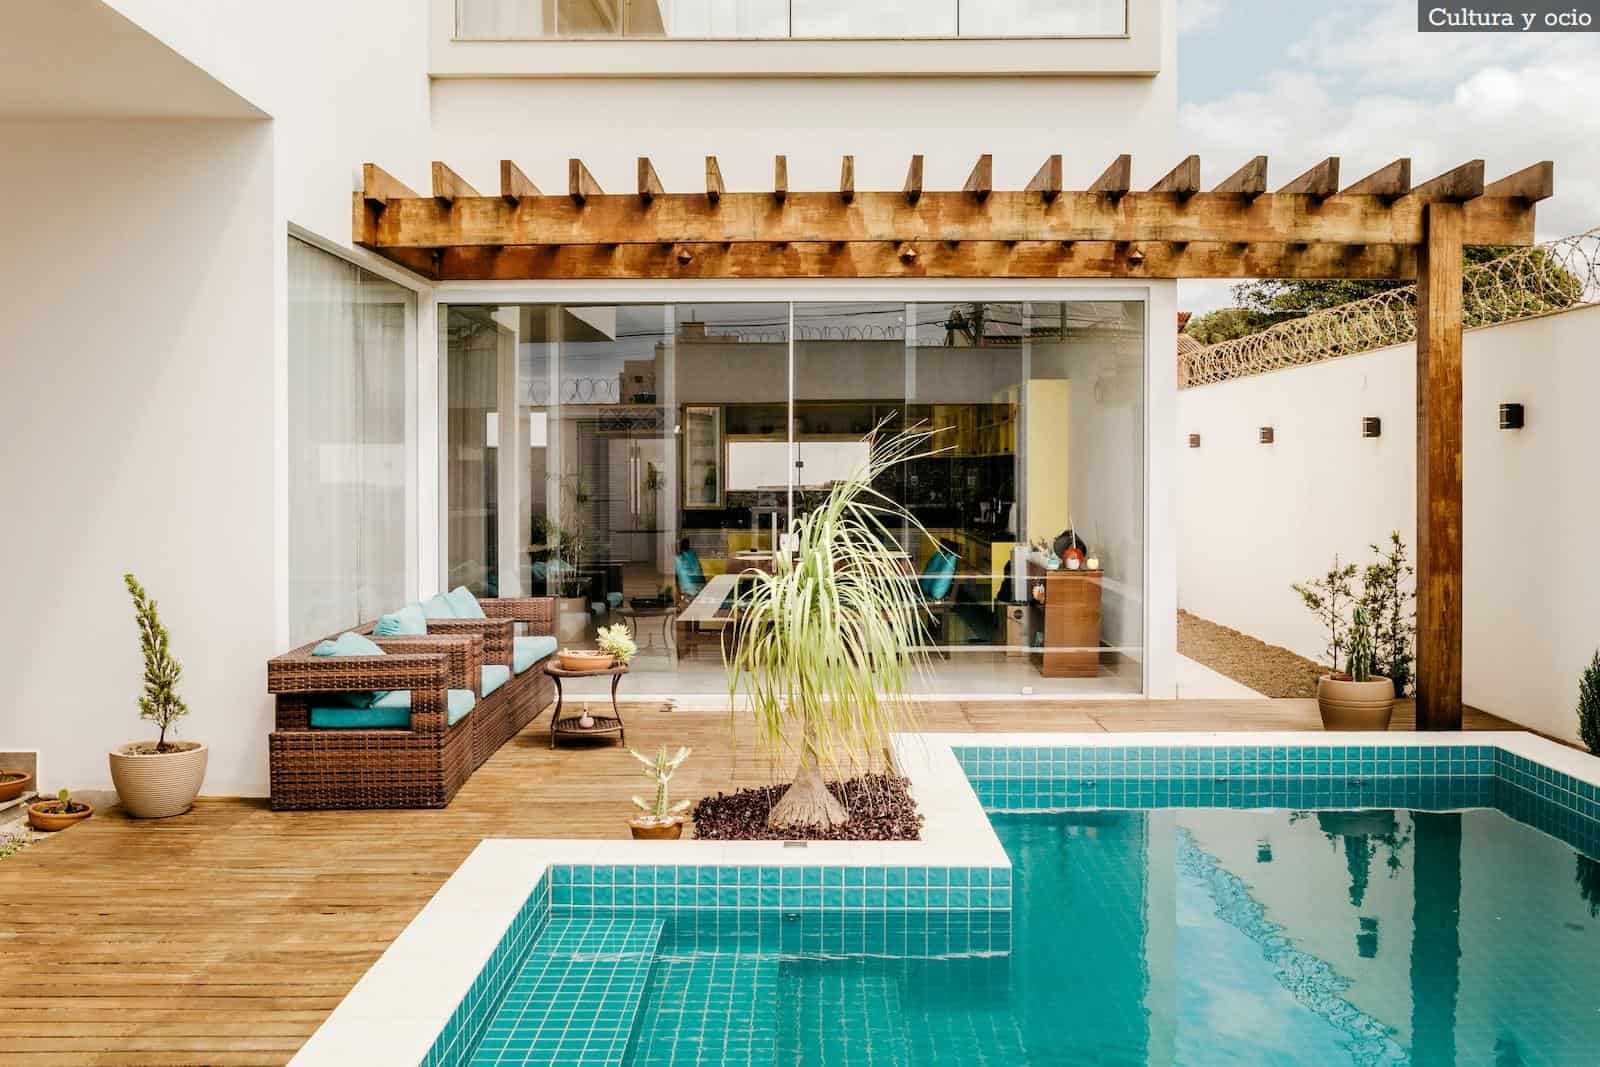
column 402, row 1003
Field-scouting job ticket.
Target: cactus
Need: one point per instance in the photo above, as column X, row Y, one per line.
column 660, row 769
column 1361, row 654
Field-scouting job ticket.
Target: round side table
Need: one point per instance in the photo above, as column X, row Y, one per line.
column 567, row 726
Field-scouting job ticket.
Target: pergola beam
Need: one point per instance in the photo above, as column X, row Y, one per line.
column 1249, row 181
column 580, row 183
column 1115, row 180
column 1182, row 180
column 912, row 190
column 589, row 217
column 649, row 181
column 1530, row 185
column 1455, row 186
column 1047, row 181
column 448, row 186
column 911, row 259
column 514, row 185
column 780, row 178
column 1391, row 181
column 378, row 187
column 1319, row 183
column 714, row 187
column 980, row 183
column 847, row 179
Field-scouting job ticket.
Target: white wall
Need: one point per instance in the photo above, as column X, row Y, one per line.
column 1253, row 518
column 138, row 370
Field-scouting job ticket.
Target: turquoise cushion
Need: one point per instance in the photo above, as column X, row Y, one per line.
column 614, row 600
column 352, row 644
column 408, row 621
column 939, row 576
column 464, row 604
column 393, row 712
column 494, row 676
column 439, row 607
column 691, row 578
column 526, row 651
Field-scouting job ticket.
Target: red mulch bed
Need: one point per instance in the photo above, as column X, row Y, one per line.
column 880, row 807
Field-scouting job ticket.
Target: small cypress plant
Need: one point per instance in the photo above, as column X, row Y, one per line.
column 160, row 703
column 1589, row 705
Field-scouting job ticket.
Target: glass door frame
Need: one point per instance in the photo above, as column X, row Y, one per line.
column 1159, row 380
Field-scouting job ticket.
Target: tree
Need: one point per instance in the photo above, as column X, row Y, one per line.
column 1589, row 705
column 1327, row 598
column 824, row 648
column 1388, row 594
column 160, row 703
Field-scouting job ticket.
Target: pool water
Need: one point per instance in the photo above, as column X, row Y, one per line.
column 1194, row 936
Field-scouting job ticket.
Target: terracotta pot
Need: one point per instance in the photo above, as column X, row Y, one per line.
column 1352, row 705
column 585, row 660
column 40, row 819
column 653, row 828
column 12, row 788
column 158, row 785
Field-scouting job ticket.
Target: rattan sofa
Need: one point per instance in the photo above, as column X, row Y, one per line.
column 419, row 767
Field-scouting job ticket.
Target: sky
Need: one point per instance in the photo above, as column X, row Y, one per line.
column 1298, row 81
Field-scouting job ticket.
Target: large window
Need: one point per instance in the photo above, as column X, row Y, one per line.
column 351, row 449
column 634, row 460
column 816, row 19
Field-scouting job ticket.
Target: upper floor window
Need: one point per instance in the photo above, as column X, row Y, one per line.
column 815, row 19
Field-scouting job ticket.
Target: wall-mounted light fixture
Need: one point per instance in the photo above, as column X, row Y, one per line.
column 1265, row 435
column 1371, row 426
column 1511, row 416
column 1194, row 440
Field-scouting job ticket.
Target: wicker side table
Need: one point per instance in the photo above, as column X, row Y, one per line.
column 567, row 726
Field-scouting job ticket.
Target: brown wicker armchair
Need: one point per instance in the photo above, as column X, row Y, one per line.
column 419, row 767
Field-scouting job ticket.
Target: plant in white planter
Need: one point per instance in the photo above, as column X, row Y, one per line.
column 1354, row 699
column 160, row 779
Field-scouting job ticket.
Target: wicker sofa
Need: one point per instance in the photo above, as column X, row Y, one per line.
column 421, row 765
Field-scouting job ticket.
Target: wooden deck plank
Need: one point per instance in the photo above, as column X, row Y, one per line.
column 225, row 936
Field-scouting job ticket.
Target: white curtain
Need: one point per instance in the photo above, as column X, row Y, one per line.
column 351, row 447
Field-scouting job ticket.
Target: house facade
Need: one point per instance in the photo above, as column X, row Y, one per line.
column 284, row 434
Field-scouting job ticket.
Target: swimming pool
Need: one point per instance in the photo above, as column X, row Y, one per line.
column 1161, row 903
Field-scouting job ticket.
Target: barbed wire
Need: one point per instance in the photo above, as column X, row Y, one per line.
column 1525, row 282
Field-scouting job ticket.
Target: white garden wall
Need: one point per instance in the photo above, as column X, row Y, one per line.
column 1253, row 518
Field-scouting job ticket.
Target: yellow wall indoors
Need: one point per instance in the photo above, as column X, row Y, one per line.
column 1046, row 457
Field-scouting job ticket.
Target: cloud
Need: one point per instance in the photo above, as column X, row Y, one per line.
column 1510, row 100
column 1196, row 15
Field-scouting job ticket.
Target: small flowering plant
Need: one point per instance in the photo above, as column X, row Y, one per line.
column 618, row 642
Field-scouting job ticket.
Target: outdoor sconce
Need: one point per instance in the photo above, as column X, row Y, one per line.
column 1511, row 416
column 1371, row 426
column 1194, row 440
column 1265, row 435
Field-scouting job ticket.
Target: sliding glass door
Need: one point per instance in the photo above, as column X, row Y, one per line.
column 633, row 460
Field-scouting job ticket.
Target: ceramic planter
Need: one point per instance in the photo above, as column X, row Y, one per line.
column 656, row 827
column 40, row 817
column 585, row 660
column 158, row 785
column 1346, row 704
column 13, row 784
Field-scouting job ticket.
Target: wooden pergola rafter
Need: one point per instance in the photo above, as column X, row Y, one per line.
column 1380, row 227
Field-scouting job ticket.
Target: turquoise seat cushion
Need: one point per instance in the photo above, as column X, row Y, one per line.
column 691, row 577
column 526, row 651
column 494, row 676
column 393, row 712
column 409, row 621
column 439, row 607
column 939, row 576
column 352, row 644
column 464, row 604
column 614, row 600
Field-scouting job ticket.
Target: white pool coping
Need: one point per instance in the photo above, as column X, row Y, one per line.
column 400, row 1006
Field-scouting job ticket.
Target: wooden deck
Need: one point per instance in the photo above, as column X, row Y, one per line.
column 225, row 936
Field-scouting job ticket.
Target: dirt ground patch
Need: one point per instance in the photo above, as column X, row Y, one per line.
column 1268, row 669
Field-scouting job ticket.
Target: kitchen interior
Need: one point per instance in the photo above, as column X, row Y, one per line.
column 688, row 432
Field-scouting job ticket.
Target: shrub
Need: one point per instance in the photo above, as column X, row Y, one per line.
column 1589, row 705
column 160, row 703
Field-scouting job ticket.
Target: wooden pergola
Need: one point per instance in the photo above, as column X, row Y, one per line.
column 1381, row 227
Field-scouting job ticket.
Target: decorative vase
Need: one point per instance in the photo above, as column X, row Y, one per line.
column 158, row 785
column 41, row 818
column 1346, row 704
column 656, row 827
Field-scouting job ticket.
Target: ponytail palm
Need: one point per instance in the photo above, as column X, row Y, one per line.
column 824, row 649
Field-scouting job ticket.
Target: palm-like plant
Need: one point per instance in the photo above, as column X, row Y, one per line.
column 825, row 647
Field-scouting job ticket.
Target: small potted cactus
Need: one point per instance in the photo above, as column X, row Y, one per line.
column 660, row 819
column 1359, row 700
column 58, row 814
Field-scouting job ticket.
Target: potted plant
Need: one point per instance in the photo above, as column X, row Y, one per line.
column 1357, row 698
column 58, row 814
column 823, row 648
column 661, row 819
column 13, row 784
column 160, row 779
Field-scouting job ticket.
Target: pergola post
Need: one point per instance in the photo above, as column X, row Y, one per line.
column 1439, row 432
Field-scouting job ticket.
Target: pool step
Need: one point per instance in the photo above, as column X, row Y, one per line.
column 575, row 999
column 710, row 1010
